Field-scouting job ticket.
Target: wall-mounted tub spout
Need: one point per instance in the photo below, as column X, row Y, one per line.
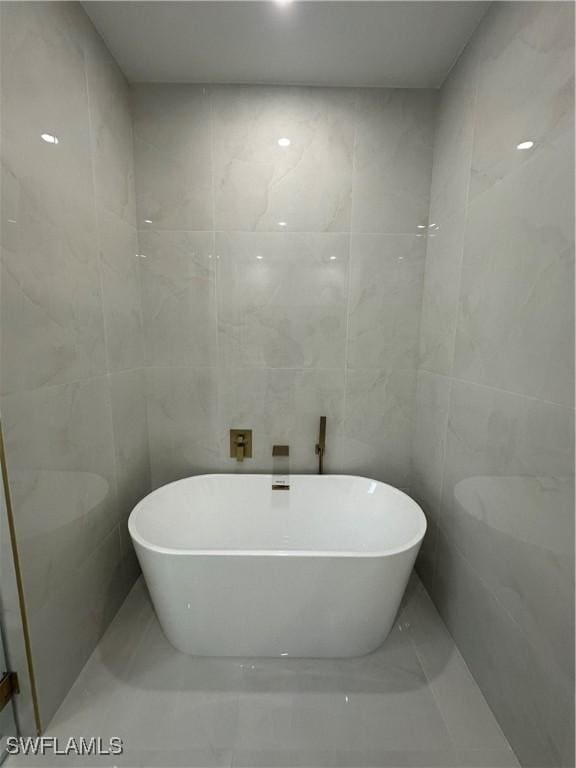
column 280, row 467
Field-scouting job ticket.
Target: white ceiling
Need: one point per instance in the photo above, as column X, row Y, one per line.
column 396, row 44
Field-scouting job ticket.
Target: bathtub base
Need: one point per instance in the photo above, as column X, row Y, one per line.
column 315, row 607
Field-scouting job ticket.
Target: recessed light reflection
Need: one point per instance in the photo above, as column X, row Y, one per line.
column 525, row 145
column 332, row 258
column 284, row 142
column 141, row 255
column 147, row 221
column 282, row 224
column 49, row 138
column 421, row 226
column 259, row 257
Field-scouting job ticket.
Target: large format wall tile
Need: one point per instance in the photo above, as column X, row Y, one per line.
column 131, row 457
column 172, row 143
column 516, row 320
column 293, row 310
column 428, row 440
column 59, row 446
column 282, row 299
column 508, row 507
column 111, row 131
column 533, row 705
column 70, row 296
column 44, row 90
column 453, row 139
column 60, row 452
column 182, row 422
column 427, row 459
column 386, row 278
column 378, row 424
column 51, row 304
column 393, row 160
column 257, row 183
column 498, row 323
column 52, row 324
column 441, row 295
column 129, row 420
column 121, row 292
column 66, row 630
column 179, row 297
column 525, row 87
column 10, row 192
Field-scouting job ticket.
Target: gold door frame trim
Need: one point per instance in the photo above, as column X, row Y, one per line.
column 19, row 584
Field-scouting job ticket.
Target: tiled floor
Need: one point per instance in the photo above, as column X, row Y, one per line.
column 411, row 703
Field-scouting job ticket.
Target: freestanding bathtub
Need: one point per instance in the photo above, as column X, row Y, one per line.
column 235, row 568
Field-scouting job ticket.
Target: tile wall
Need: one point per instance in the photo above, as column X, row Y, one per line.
column 493, row 448
column 72, row 346
column 282, row 283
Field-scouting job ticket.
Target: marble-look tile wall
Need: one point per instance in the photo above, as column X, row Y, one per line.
column 493, row 448
column 282, row 283
column 72, row 379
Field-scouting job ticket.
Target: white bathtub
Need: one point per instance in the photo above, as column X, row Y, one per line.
column 235, row 568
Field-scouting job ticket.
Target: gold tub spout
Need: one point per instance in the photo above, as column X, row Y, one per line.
column 321, row 445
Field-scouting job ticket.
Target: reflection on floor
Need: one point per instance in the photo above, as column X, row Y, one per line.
column 411, row 703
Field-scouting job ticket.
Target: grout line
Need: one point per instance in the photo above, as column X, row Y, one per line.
column 480, row 385
column 293, row 232
column 443, row 469
column 96, row 215
column 442, row 479
column 271, row 84
column 216, row 287
column 348, row 290
column 146, row 367
column 71, row 382
column 427, row 241
column 141, row 286
column 108, row 388
column 465, row 214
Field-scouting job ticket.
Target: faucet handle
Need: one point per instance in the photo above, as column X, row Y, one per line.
column 240, row 444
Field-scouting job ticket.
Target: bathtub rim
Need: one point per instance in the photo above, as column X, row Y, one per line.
column 322, row 553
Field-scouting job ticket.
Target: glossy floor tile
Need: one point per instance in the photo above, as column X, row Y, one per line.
column 412, row 702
